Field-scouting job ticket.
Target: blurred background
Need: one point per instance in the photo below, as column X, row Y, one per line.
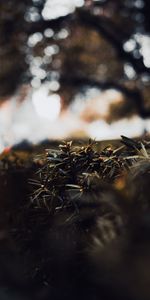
column 73, row 69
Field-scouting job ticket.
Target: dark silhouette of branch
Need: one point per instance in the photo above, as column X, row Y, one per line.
column 102, row 26
column 146, row 13
column 115, row 36
column 55, row 24
column 133, row 94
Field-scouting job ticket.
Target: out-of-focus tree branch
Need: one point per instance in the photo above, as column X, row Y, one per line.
column 55, row 24
column 134, row 94
column 102, row 26
column 74, row 54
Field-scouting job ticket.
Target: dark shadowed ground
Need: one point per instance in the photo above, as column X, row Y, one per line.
column 96, row 249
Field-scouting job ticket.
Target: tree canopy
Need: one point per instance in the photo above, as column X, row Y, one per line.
column 101, row 44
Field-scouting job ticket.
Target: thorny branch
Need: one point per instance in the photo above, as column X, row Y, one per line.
column 70, row 171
